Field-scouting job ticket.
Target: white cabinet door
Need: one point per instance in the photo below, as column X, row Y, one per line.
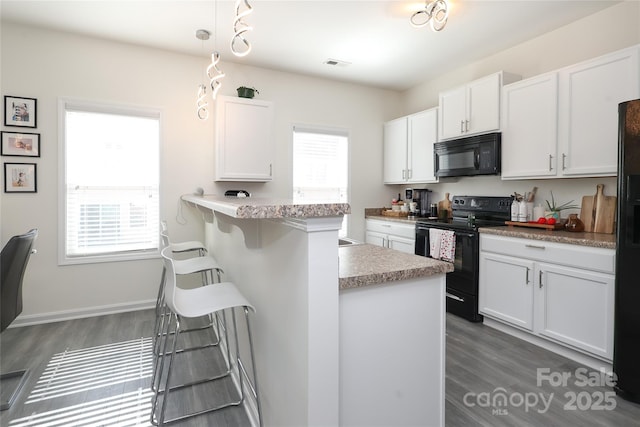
column 473, row 108
column 576, row 307
column 395, row 151
column 453, row 113
column 375, row 238
column 483, row 105
column 529, row 127
column 506, row 289
column 423, row 133
column 244, row 139
column 389, row 234
column 589, row 96
column 401, row 244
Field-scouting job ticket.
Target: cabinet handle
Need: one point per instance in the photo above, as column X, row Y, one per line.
column 271, row 169
column 461, row 126
column 404, row 173
column 385, row 225
column 466, row 125
column 540, row 279
column 409, row 173
column 564, row 156
column 550, row 167
column 455, row 297
column 534, row 246
column 528, row 276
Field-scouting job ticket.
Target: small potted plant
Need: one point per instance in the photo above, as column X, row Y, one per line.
column 553, row 210
column 247, row 92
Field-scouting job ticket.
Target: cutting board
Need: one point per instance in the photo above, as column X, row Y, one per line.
column 598, row 212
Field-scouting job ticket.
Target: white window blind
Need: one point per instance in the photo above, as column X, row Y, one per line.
column 321, row 166
column 111, row 182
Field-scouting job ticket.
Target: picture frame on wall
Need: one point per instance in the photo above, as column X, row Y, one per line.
column 20, row 144
column 20, row 112
column 20, row 178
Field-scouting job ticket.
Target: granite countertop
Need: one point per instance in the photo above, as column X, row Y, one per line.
column 260, row 208
column 376, row 213
column 365, row 264
column 597, row 240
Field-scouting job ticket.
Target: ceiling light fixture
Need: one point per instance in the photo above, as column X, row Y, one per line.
column 213, row 72
column 435, row 12
column 240, row 27
column 201, row 97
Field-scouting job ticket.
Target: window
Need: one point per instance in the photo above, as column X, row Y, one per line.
column 321, row 166
column 109, row 182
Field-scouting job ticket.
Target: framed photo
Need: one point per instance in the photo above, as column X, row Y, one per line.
column 20, row 144
column 20, row 178
column 20, row 112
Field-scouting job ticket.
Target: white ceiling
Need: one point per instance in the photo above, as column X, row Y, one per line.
column 299, row 35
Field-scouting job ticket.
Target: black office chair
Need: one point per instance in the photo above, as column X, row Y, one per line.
column 13, row 263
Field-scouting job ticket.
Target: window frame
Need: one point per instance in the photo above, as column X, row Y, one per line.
column 325, row 130
column 66, row 104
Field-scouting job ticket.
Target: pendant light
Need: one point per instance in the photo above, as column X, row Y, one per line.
column 201, row 97
column 240, row 28
column 213, row 72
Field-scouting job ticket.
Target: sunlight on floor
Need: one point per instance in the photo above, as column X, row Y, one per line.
column 129, row 409
column 87, row 369
column 78, row 371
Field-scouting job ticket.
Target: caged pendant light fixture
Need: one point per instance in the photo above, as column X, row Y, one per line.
column 240, row 27
column 435, row 12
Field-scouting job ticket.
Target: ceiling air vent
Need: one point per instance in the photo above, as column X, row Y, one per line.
column 336, row 62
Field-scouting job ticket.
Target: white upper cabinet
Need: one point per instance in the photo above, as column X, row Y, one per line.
column 588, row 116
column 408, row 148
column 565, row 123
column 395, row 150
column 473, row 108
column 530, row 127
column 244, row 139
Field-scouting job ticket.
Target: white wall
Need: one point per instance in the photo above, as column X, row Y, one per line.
column 614, row 28
column 45, row 65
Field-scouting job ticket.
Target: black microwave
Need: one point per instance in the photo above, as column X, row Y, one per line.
column 474, row 155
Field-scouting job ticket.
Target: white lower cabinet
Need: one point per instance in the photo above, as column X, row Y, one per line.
column 392, row 235
column 506, row 292
column 560, row 292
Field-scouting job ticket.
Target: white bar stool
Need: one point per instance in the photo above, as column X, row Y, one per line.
column 204, row 264
column 190, row 303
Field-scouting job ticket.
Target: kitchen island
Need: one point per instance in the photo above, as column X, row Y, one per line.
column 285, row 259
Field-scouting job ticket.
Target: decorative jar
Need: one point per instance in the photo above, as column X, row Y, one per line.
column 574, row 223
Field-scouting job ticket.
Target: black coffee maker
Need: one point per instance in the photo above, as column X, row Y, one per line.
column 422, row 196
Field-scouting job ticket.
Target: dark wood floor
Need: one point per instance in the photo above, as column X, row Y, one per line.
column 112, row 388
column 96, row 372
column 484, row 364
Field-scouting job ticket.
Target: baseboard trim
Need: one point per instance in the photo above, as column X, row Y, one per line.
column 58, row 316
column 590, row 361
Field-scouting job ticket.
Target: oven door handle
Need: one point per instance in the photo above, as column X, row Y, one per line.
column 457, row 233
column 457, row 298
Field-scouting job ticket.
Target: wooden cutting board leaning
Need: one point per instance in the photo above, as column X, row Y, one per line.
column 598, row 212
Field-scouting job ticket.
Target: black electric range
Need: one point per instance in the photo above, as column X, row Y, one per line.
column 468, row 214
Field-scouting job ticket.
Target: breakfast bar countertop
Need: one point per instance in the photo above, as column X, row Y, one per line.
column 262, row 208
column 596, row 240
column 365, row 264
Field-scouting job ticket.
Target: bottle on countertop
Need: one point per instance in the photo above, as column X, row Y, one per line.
column 515, row 208
column 522, row 211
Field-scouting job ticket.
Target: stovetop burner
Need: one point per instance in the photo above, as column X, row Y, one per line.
column 471, row 212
